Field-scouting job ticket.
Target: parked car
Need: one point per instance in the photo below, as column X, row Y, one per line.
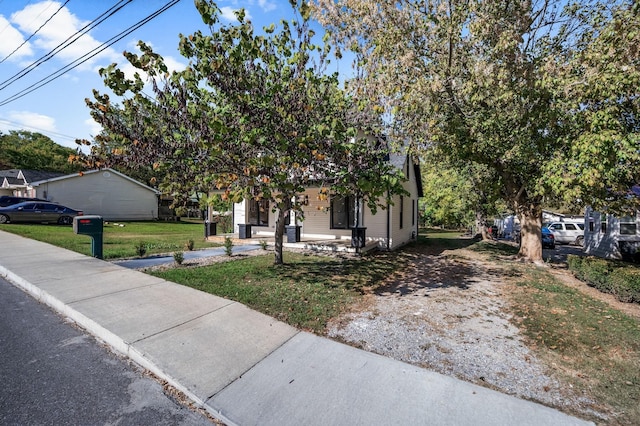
column 38, row 212
column 548, row 239
column 568, row 232
column 9, row 200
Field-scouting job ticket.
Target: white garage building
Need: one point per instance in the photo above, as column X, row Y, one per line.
column 107, row 193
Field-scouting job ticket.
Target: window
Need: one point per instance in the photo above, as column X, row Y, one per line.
column 570, row 227
column 627, row 226
column 401, row 211
column 603, row 225
column 556, row 227
column 259, row 212
column 343, row 212
column 581, row 226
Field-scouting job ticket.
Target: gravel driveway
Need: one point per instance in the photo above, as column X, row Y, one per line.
column 448, row 313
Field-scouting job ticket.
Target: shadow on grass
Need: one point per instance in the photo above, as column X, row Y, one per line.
column 426, row 268
column 356, row 274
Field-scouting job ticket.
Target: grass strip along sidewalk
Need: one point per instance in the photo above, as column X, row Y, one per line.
column 305, row 292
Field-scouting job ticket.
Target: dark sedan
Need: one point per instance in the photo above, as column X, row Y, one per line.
column 548, row 239
column 9, row 200
column 38, row 212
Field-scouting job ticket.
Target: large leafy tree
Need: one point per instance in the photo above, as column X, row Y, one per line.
column 483, row 82
column 253, row 116
column 599, row 86
column 34, row 151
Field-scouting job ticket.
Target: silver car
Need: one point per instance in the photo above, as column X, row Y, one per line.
column 38, row 212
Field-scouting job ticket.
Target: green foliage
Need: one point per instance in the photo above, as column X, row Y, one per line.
column 598, row 88
column 542, row 94
column 178, row 257
column 263, row 244
column 620, row 279
column 189, row 245
column 253, row 116
column 228, row 246
column 141, row 248
column 34, row 151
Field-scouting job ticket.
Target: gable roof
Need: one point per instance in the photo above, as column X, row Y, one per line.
column 399, row 160
column 90, row 172
column 23, row 176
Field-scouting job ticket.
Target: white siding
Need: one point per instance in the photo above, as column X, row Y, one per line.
column 240, row 217
column 103, row 193
column 606, row 244
column 317, row 218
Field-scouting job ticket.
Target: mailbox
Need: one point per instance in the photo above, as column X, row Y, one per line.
column 91, row 226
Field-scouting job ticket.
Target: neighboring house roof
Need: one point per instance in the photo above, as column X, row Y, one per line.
column 28, row 176
column 79, row 175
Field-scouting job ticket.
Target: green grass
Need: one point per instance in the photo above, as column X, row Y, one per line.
column 305, row 292
column 595, row 347
column 119, row 241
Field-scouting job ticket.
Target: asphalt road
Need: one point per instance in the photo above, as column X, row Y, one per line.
column 53, row 373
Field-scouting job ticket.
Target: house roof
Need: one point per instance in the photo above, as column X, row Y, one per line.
column 399, row 160
column 28, row 176
column 79, row 175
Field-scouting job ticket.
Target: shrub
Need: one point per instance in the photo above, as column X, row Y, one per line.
column 620, row 279
column 189, row 245
column 575, row 264
column 595, row 272
column 263, row 244
column 141, row 248
column 625, row 284
column 228, row 246
column 178, row 257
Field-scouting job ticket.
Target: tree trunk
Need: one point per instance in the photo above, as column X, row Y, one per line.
column 283, row 209
column 530, row 232
column 481, row 227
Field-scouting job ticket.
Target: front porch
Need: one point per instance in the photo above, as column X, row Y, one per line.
column 313, row 244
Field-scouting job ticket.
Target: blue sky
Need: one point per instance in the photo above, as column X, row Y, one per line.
column 58, row 109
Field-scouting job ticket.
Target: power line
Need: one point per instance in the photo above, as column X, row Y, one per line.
column 36, row 31
column 53, row 76
column 109, row 12
column 23, row 126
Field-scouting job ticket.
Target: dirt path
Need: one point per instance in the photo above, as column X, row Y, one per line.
column 449, row 313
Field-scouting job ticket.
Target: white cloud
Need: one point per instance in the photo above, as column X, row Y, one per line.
column 229, row 15
column 11, row 39
column 61, row 27
column 31, row 121
column 94, row 127
column 267, row 5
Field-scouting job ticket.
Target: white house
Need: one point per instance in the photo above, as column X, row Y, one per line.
column 612, row 237
column 106, row 193
column 333, row 217
column 17, row 182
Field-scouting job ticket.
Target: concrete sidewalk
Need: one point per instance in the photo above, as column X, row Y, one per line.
column 242, row 366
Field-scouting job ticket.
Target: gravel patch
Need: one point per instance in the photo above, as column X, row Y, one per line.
column 449, row 315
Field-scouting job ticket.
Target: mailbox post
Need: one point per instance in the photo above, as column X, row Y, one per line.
column 91, row 226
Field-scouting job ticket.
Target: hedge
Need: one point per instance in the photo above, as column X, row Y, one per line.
column 618, row 278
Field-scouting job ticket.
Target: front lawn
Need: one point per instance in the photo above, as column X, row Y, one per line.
column 120, row 238
column 591, row 346
column 306, row 292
